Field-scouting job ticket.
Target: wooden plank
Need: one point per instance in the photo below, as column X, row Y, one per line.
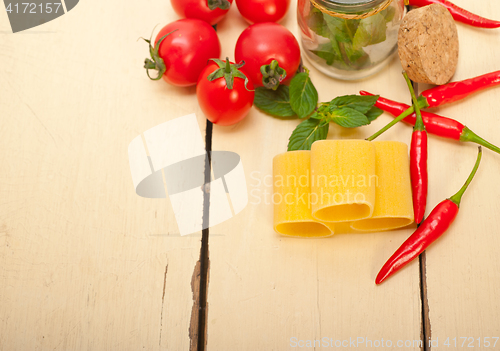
column 463, row 279
column 267, row 292
column 85, row 263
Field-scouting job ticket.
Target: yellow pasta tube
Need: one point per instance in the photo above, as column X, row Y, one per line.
column 291, row 197
column 342, row 180
column 393, row 200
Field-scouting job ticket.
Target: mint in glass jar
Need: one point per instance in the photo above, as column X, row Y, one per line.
column 349, row 39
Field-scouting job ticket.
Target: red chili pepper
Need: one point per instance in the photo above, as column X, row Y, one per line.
column 418, row 173
column 418, row 160
column 431, row 229
column 434, row 124
column 447, row 93
column 451, row 92
column 459, row 14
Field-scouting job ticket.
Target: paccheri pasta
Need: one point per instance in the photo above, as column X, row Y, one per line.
column 292, row 197
column 393, row 201
column 344, row 180
column 363, row 184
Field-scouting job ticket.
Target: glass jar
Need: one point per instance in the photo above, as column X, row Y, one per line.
column 349, row 39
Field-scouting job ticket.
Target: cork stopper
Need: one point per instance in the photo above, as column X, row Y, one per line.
column 428, row 45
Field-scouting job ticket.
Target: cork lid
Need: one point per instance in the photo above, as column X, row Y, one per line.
column 428, row 45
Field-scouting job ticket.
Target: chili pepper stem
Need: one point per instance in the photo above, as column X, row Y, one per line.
column 419, row 123
column 469, row 135
column 422, row 103
column 458, row 196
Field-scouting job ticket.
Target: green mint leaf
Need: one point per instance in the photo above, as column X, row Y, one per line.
column 389, row 14
column 303, row 95
column 325, row 53
column 307, row 133
column 274, row 102
column 316, row 115
column 357, row 102
column 337, row 27
column 348, row 117
column 351, row 27
column 316, row 23
column 357, row 56
column 373, row 113
column 329, row 52
column 371, row 30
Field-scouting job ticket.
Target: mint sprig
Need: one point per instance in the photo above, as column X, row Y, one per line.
column 348, row 37
column 301, row 100
column 350, row 111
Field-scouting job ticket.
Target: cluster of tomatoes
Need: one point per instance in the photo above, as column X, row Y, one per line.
column 186, row 52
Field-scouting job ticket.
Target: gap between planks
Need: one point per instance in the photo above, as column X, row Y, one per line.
column 199, row 283
column 204, row 257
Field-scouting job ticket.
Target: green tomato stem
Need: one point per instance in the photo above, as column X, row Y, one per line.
column 156, row 62
column 218, row 4
column 272, row 75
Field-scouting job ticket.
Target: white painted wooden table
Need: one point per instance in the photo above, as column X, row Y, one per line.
column 86, row 264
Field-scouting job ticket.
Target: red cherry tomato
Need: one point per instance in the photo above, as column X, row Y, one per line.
column 221, row 105
column 256, row 11
column 200, row 9
column 184, row 53
column 261, row 43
